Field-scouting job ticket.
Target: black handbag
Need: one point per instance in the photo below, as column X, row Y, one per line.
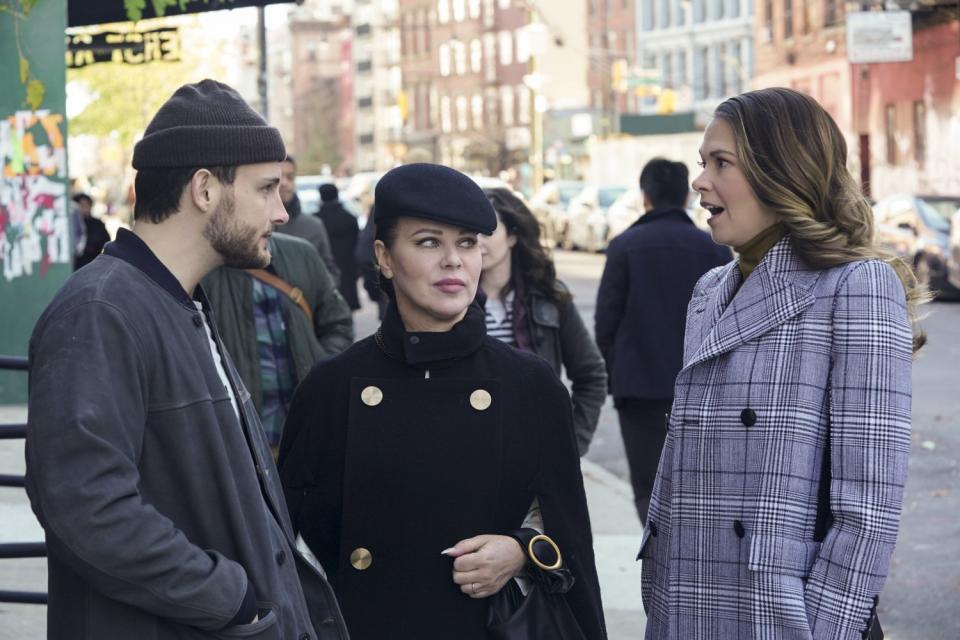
column 544, row 613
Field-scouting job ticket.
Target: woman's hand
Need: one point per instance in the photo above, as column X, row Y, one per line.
column 485, row 563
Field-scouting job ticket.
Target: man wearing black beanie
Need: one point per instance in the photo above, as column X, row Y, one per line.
column 146, row 463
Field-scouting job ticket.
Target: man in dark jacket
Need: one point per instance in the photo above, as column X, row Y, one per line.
column 146, row 463
column 304, row 225
column 94, row 231
column 343, row 230
column 641, row 311
column 271, row 337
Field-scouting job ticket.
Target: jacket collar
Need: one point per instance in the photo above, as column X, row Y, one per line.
column 778, row 289
column 664, row 213
column 129, row 247
column 432, row 349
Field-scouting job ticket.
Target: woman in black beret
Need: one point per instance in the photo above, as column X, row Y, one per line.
column 416, row 461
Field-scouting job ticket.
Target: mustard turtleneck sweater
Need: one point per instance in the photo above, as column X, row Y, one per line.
column 753, row 251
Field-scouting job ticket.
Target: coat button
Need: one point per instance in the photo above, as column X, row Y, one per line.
column 371, row 396
column 361, row 559
column 281, row 557
column 304, row 636
column 197, row 320
column 738, row 528
column 748, row 417
column 653, row 529
column 414, row 340
column 481, row 400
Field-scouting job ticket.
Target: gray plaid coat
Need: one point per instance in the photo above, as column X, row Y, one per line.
column 770, row 371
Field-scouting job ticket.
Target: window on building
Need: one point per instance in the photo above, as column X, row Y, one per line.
column 459, row 10
column 460, row 56
column 699, row 11
column 476, row 56
column 666, row 69
column 506, row 47
column 443, row 11
column 474, row 6
column 506, row 106
column 701, row 84
column 720, row 70
column 664, row 11
column 424, row 32
column 503, row 4
column 647, row 20
column 735, row 64
column 919, row 132
column 524, row 97
column 444, row 59
column 891, row 131
column 490, row 56
column 434, row 108
column 463, row 113
column 446, row 120
column 523, row 45
column 787, row 18
column 830, row 11
column 733, row 10
column 719, row 10
column 476, row 108
column 681, row 66
column 766, row 34
column 489, row 15
column 492, row 100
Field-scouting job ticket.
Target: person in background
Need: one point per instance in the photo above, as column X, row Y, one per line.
column 647, row 281
column 527, row 307
column 777, row 502
column 343, row 230
column 95, row 232
column 277, row 322
column 302, row 225
column 366, row 261
column 146, row 463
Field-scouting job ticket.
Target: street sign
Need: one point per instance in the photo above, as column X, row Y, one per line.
column 879, row 36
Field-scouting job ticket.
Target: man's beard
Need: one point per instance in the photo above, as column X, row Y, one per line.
column 239, row 246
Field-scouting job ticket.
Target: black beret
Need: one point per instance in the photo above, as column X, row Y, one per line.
column 434, row 192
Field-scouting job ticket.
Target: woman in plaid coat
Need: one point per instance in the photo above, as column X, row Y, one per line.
column 777, row 500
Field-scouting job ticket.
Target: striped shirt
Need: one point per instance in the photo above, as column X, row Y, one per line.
column 499, row 316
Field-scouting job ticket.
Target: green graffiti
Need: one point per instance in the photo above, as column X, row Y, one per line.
column 134, row 8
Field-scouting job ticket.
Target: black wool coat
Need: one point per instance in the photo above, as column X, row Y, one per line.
column 343, row 230
column 414, row 467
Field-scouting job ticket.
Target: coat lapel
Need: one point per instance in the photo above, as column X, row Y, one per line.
column 777, row 290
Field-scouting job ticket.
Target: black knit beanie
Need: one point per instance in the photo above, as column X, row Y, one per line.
column 207, row 124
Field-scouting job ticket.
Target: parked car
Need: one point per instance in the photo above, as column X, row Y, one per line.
column 953, row 267
column 549, row 206
column 624, row 211
column 918, row 229
column 587, row 218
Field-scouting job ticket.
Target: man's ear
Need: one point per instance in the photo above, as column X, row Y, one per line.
column 383, row 258
column 204, row 190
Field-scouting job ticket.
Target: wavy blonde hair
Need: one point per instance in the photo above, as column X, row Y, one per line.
column 795, row 159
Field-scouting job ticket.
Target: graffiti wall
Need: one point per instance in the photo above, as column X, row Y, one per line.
column 34, row 221
column 36, row 250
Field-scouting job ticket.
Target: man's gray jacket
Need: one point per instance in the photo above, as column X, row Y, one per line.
column 163, row 515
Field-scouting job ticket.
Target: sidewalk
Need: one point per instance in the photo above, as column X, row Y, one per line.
column 615, row 528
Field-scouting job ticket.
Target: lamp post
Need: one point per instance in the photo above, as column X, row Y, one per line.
column 536, row 33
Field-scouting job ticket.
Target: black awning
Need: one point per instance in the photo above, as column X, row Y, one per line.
column 86, row 12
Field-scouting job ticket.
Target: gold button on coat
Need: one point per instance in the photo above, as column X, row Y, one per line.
column 371, row 396
column 361, row 558
column 481, row 400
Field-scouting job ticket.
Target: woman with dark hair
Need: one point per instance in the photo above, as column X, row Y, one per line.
column 777, row 500
column 416, row 461
column 530, row 309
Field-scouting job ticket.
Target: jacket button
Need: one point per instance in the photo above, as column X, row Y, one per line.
column 281, row 557
column 481, row 400
column 361, row 559
column 197, row 320
column 738, row 528
column 653, row 529
column 304, row 636
column 414, row 340
column 748, row 417
column 371, row 396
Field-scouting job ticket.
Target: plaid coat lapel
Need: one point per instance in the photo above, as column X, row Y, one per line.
column 777, row 290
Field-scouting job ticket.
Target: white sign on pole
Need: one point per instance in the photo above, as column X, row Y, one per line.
column 879, row 36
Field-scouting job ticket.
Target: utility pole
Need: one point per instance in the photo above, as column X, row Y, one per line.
column 536, row 117
column 262, row 73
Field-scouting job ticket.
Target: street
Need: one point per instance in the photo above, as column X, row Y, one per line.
column 919, row 601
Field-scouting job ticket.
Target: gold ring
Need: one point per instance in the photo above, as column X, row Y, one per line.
column 536, row 560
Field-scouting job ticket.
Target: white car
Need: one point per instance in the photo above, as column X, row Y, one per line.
column 549, row 206
column 587, row 218
column 625, row 210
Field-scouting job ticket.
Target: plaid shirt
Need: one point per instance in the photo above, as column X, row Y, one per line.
column 277, row 372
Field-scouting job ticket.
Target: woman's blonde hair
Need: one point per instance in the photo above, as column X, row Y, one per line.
column 795, row 159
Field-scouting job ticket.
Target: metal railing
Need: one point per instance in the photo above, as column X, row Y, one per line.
column 18, row 549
